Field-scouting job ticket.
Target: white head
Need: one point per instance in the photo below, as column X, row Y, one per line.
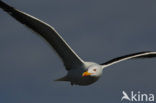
column 93, row 70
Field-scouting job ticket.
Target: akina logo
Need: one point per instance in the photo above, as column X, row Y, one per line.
column 137, row 96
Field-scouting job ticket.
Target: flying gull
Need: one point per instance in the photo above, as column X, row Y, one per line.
column 80, row 72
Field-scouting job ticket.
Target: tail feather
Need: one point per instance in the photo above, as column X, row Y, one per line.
column 62, row 79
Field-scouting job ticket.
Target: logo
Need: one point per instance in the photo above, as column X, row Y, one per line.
column 137, row 96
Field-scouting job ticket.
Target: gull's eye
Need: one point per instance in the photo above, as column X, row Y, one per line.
column 94, row 70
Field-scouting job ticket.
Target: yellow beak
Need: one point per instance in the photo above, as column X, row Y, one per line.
column 86, row 74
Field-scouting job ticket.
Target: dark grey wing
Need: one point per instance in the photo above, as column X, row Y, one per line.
column 146, row 54
column 69, row 57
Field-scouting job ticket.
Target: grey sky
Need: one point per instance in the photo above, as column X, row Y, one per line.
column 98, row 30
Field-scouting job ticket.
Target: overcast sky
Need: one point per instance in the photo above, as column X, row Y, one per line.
column 98, row 30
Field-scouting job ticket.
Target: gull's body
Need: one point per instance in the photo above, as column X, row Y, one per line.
column 79, row 72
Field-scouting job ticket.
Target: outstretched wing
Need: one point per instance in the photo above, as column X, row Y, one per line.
column 146, row 54
column 69, row 57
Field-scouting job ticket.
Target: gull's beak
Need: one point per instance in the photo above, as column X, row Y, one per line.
column 86, row 74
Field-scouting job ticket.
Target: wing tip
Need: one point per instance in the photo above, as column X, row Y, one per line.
column 6, row 7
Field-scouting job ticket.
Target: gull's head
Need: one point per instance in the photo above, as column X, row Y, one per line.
column 94, row 70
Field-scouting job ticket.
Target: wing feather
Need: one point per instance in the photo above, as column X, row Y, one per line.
column 68, row 56
column 145, row 54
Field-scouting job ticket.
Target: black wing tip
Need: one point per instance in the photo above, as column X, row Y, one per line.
column 6, row 7
column 150, row 55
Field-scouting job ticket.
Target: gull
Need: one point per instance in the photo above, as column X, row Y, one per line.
column 80, row 72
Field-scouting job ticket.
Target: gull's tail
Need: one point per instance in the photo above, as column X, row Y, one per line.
column 62, row 79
